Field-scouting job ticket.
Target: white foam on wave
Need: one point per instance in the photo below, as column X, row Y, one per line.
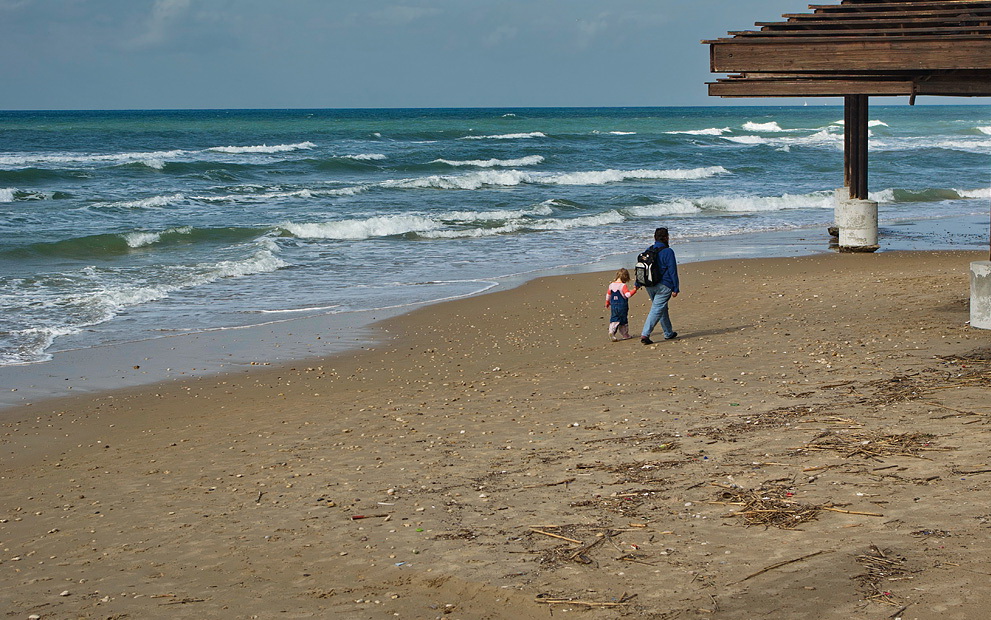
column 502, row 214
column 436, row 225
column 155, row 159
column 262, row 148
column 358, row 229
column 146, row 203
column 263, row 194
column 735, row 204
column 975, row 145
column 975, row 193
column 678, row 206
column 771, row 126
column 509, row 178
column 7, row 194
column 986, row 130
column 102, row 298
column 711, row 131
column 884, row 195
column 602, row 177
column 139, row 239
column 529, row 160
column 509, row 136
column 824, row 137
column 554, row 224
column 746, row 139
column 622, row 133
column 472, row 181
column 366, row 157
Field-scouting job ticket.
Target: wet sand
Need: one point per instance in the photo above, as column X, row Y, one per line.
column 812, row 445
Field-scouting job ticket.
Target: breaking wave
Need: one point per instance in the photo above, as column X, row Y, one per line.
column 530, row 160
column 767, row 127
column 508, row 136
column 263, row 148
column 509, row 178
column 146, row 203
column 711, row 131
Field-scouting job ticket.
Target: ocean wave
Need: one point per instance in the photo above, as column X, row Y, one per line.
column 554, row 224
column 976, row 145
column 735, row 204
column 154, row 159
column 358, row 229
column 115, row 244
column 366, row 157
column 975, row 193
column 622, row 133
column 262, row 148
column 141, row 238
column 711, row 131
column 931, row 194
column 771, row 126
column 746, row 139
column 508, row 136
column 985, row 130
column 261, row 194
column 7, row 194
column 95, row 296
column 510, row 178
column 602, row 177
column 439, row 225
column 877, row 124
column 145, row 203
column 822, row 137
column 544, row 208
column 529, row 160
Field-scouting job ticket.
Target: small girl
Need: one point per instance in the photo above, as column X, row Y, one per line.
column 617, row 297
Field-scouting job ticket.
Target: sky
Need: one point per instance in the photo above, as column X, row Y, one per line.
column 209, row 54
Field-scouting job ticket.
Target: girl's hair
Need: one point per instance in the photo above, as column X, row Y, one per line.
column 623, row 275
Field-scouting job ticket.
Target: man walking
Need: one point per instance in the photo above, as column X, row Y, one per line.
column 663, row 291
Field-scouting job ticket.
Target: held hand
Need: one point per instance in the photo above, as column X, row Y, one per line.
column 674, row 294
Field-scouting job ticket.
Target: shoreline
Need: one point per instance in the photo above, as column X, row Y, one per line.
column 220, row 352
column 435, row 474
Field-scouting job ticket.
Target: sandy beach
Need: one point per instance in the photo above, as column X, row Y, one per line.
column 814, row 444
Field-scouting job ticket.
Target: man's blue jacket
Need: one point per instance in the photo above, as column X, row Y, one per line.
column 668, row 264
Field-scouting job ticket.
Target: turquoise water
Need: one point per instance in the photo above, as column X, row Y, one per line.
column 122, row 226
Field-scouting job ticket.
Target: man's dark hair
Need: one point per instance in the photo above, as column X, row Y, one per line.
column 661, row 234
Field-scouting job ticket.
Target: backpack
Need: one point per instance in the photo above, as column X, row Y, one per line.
column 648, row 269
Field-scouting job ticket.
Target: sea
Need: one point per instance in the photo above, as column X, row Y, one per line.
column 129, row 226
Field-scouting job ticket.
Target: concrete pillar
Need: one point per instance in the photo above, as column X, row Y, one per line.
column 840, row 193
column 857, row 221
column 980, row 294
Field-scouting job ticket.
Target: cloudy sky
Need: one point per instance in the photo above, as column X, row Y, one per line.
column 138, row 54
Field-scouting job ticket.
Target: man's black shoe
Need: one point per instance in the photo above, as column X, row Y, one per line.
column 672, row 336
column 645, row 340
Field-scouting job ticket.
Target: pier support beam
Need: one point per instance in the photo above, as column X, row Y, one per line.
column 980, row 294
column 856, row 216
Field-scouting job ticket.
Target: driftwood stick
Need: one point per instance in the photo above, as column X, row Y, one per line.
column 853, row 512
column 588, row 547
column 779, row 565
column 570, row 540
column 565, row 601
column 549, row 484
